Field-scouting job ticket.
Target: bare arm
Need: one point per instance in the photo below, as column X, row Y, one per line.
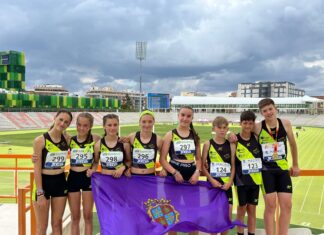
column 95, row 138
column 128, row 157
column 131, row 137
column 293, row 147
column 95, row 159
column 195, row 177
column 257, row 129
column 165, row 151
column 38, row 145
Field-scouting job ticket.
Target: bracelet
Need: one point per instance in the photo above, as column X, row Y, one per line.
column 175, row 172
column 197, row 170
column 39, row 192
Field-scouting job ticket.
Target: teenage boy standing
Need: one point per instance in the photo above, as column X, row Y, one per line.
column 248, row 165
column 272, row 135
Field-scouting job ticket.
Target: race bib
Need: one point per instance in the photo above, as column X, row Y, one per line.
column 184, row 147
column 111, row 159
column 79, row 157
column 143, row 156
column 253, row 165
column 55, row 160
column 273, row 151
column 220, row 169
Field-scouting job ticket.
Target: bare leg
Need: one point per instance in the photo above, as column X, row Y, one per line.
column 285, row 203
column 240, row 216
column 75, row 204
column 269, row 212
column 87, row 203
column 251, row 211
column 41, row 213
column 57, row 206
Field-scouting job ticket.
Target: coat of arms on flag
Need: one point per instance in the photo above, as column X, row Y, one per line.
column 161, row 211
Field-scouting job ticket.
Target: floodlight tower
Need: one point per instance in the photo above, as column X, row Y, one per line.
column 140, row 55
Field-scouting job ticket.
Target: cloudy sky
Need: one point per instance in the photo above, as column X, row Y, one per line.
column 192, row 45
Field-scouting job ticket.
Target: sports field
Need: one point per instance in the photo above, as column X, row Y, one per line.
column 308, row 205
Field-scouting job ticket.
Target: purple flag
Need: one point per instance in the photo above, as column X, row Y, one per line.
column 142, row 205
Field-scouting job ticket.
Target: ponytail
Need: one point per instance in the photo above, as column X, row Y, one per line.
column 195, row 134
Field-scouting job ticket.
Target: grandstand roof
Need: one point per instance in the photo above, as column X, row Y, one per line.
column 183, row 100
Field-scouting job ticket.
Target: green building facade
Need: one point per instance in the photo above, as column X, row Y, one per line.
column 12, row 79
column 32, row 102
column 12, row 70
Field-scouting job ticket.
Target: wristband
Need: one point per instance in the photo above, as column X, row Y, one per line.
column 39, row 192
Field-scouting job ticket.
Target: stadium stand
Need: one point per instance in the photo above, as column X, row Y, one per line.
column 6, row 124
column 37, row 120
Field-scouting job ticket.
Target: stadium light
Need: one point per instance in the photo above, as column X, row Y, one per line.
column 140, row 55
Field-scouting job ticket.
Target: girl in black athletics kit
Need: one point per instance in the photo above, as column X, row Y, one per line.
column 114, row 156
column 183, row 146
column 82, row 149
column 145, row 146
column 50, row 189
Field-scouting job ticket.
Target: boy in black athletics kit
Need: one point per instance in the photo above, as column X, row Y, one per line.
column 272, row 136
column 248, row 178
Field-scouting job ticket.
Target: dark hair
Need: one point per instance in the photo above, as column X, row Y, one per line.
column 195, row 134
column 247, row 116
column 265, row 102
column 90, row 118
column 109, row 116
column 58, row 113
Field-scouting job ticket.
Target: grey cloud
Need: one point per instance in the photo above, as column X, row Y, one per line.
column 216, row 45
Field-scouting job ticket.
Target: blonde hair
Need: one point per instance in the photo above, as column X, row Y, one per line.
column 219, row 121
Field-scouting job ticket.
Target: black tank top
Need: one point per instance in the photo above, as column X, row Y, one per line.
column 266, row 137
column 247, row 149
column 185, row 151
column 75, row 144
column 219, row 150
column 114, row 161
column 143, row 158
column 52, row 148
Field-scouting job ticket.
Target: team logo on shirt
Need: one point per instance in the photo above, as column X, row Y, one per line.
column 162, row 212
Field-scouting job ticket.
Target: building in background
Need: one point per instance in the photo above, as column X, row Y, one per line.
column 158, row 101
column 295, row 105
column 192, row 93
column 269, row 89
column 125, row 97
column 50, row 89
column 12, row 70
column 14, row 97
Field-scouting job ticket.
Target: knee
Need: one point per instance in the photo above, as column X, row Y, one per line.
column 87, row 217
column 271, row 207
column 75, row 217
column 241, row 211
column 57, row 224
column 286, row 207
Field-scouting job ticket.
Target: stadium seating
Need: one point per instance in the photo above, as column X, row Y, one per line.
column 36, row 120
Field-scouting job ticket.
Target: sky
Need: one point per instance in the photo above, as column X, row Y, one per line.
column 206, row 46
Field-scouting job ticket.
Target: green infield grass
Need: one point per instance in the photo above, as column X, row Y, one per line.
column 308, row 196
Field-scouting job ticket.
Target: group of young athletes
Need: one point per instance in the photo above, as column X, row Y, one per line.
column 257, row 156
